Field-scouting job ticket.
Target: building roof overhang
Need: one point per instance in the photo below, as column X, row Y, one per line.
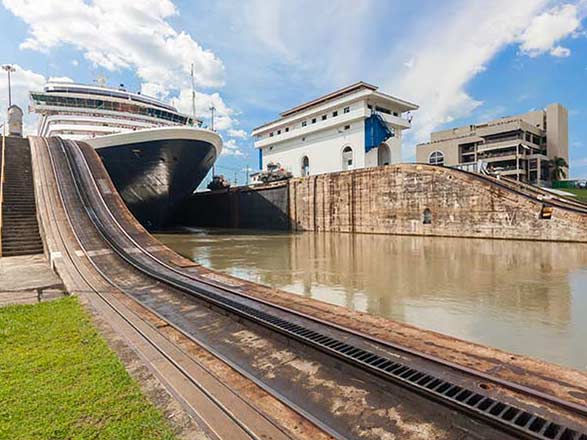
column 353, row 89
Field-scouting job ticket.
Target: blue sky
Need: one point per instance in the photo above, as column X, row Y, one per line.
column 461, row 61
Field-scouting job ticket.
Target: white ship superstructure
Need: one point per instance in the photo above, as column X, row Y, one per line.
column 76, row 111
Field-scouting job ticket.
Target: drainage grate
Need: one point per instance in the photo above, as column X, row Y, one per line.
column 498, row 413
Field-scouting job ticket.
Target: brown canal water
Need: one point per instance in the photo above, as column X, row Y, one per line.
column 524, row 297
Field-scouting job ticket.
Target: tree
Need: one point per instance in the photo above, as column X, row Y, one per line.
column 558, row 166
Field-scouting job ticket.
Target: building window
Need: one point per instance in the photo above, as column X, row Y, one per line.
column 347, row 127
column 335, row 114
column 286, row 129
column 278, row 131
column 427, row 217
column 313, row 120
column 305, row 166
column 436, row 158
column 324, row 117
column 304, row 123
column 346, row 110
column 347, row 158
column 271, row 134
column 395, row 114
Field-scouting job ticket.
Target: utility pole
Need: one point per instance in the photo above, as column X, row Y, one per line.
column 9, row 69
column 212, row 110
column 247, row 175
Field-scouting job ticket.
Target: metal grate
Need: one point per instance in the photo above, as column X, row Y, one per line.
column 498, row 413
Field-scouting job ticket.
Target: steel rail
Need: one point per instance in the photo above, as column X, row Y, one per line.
column 571, row 406
column 150, row 340
column 270, row 390
column 498, row 414
column 552, row 200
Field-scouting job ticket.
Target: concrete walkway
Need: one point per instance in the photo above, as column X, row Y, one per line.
column 28, row 279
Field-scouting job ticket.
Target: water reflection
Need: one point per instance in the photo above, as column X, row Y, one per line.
column 523, row 297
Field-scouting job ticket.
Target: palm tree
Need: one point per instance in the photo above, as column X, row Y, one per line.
column 559, row 167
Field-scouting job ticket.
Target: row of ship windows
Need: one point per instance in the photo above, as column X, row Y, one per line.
column 313, row 121
column 109, row 105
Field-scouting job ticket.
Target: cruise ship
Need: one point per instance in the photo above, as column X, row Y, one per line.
column 155, row 155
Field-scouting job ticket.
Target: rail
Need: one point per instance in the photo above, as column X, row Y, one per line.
column 497, row 413
column 2, row 167
column 549, row 199
column 246, row 432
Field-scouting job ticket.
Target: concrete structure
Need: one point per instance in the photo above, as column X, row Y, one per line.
column 404, row 199
column 518, row 147
column 14, row 121
column 354, row 127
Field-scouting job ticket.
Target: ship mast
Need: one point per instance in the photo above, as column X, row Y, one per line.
column 193, row 97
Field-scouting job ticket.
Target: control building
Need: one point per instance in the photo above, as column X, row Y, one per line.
column 354, row 127
column 519, row 147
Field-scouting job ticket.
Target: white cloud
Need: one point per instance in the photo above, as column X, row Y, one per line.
column 241, row 134
column 22, row 81
column 231, row 148
column 223, row 115
column 446, row 54
column 118, row 35
column 548, row 28
column 560, row 52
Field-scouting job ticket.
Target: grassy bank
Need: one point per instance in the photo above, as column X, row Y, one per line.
column 59, row 379
column 580, row 193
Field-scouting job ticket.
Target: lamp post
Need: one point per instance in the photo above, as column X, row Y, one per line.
column 9, row 69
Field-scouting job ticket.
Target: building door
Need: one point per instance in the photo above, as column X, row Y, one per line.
column 347, row 158
column 305, row 166
column 383, row 155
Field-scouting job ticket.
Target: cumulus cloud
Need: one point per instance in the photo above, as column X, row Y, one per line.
column 231, row 148
column 241, row 134
column 547, row 29
column 445, row 57
column 22, row 81
column 223, row 114
column 121, row 35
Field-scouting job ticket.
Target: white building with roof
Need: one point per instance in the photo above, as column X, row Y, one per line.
column 354, row 127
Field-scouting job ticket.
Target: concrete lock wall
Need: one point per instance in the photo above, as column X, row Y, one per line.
column 395, row 199
column 261, row 207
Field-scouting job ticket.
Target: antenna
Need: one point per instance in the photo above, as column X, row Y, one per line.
column 193, row 97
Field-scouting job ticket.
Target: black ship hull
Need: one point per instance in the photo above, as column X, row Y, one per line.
column 155, row 176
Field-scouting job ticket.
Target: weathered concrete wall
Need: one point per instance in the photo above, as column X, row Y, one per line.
column 259, row 207
column 392, row 200
column 387, row 200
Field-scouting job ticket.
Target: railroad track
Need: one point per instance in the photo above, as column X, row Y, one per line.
column 193, row 383
column 502, row 415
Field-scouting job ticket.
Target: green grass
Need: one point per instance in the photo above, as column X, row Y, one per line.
column 59, row 379
column 580, row 193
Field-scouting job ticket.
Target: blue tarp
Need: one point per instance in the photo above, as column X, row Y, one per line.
column 376, row 131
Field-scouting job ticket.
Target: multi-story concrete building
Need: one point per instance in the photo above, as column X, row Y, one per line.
column 519, row 147
column 354, row 127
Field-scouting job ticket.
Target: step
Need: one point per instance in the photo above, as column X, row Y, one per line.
column 17, row 253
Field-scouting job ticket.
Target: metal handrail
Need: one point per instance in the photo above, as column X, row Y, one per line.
column 2, row 181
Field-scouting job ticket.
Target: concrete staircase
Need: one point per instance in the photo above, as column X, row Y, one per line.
column 20, row 230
